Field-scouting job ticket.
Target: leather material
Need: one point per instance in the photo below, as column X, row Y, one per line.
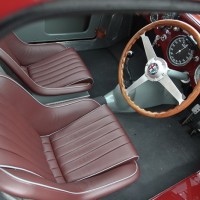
column 52, row 117
column 48, row 69
column 88, row 189
column 87, row 156
column 15, row 146
column 63, row 69
column 26, row 54
column 90, row 145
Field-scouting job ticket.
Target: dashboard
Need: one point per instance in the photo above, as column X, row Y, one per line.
column 179, row 49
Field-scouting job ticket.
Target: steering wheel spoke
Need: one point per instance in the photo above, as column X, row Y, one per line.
column 171, row 88
column 149, row 51
column 156, row 70
column 137, row 83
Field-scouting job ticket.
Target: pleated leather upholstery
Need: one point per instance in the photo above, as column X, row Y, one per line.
column 62, row 69
column 48, row 69
column 88, row 146
column 73, row 151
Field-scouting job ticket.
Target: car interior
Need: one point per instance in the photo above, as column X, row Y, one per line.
column 100, row 106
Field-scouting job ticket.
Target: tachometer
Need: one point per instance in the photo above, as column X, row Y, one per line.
column 197, row 74
column 180, row 51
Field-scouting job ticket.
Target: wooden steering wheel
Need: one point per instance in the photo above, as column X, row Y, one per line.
column 156, row 70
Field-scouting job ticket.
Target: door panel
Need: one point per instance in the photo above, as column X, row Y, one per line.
column 60, row 29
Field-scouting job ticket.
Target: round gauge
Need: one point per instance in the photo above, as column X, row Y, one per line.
column 197, row 74
column 153, row 17
column 180, row 51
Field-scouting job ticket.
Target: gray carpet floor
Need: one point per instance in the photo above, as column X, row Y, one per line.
column 167, row 153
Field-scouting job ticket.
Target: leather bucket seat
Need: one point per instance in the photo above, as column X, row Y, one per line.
column 47, row 69
column 77, row 150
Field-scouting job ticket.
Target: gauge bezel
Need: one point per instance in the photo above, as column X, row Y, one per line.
column 196, row 81
column 168, row 53
column 153, row 13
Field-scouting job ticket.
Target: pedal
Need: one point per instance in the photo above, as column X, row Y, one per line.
column 194, row 132
column 195, row 110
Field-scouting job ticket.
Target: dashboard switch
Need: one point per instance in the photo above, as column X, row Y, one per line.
column 163, row 37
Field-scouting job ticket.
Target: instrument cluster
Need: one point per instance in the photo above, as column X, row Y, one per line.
column 178, row 47
column 158, row 16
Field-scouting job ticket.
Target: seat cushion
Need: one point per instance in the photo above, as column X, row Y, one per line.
column 63, row 69
column 89, row 146
column 87, row 156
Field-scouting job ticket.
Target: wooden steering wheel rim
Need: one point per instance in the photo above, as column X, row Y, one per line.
column 190, row 98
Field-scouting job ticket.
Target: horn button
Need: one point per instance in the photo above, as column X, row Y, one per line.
column 156, row 69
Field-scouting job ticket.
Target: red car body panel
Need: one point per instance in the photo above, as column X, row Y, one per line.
column 11, row 7
column 187, row 189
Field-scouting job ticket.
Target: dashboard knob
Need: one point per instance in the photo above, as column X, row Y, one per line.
column 196, row 58
column 176, row 29
column 163, row 37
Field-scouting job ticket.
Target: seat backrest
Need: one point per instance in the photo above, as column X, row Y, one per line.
column 20, row 144
column 12, row 46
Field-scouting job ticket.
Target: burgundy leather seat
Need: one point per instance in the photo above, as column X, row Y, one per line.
column 48, row 69
column 70, row 151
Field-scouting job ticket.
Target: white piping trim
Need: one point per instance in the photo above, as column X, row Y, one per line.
column 61, row 190
column 67, row 100
column 108, row 168
column 41, row 103
column 80, row 80
column 40, row 85
column 18, row 168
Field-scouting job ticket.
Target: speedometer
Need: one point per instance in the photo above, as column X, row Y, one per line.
column 180, row 51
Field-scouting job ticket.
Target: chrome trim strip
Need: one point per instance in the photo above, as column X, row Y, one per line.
column 61, row 190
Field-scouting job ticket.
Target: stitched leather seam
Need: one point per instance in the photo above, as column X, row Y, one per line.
column 66, row 191
column 6, row 77
column 41, row 82
column 73, row 122
column 96, row 158
column 39, row 86
column 84, row 136
column 53, row 67
column 34, row 71
column 91, row 141
column 104, row 170
column 55, row 161
column 91, row 150
column 49, row 62
column 83, row 127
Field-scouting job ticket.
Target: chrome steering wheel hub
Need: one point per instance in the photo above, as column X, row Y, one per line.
column 155, row 69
